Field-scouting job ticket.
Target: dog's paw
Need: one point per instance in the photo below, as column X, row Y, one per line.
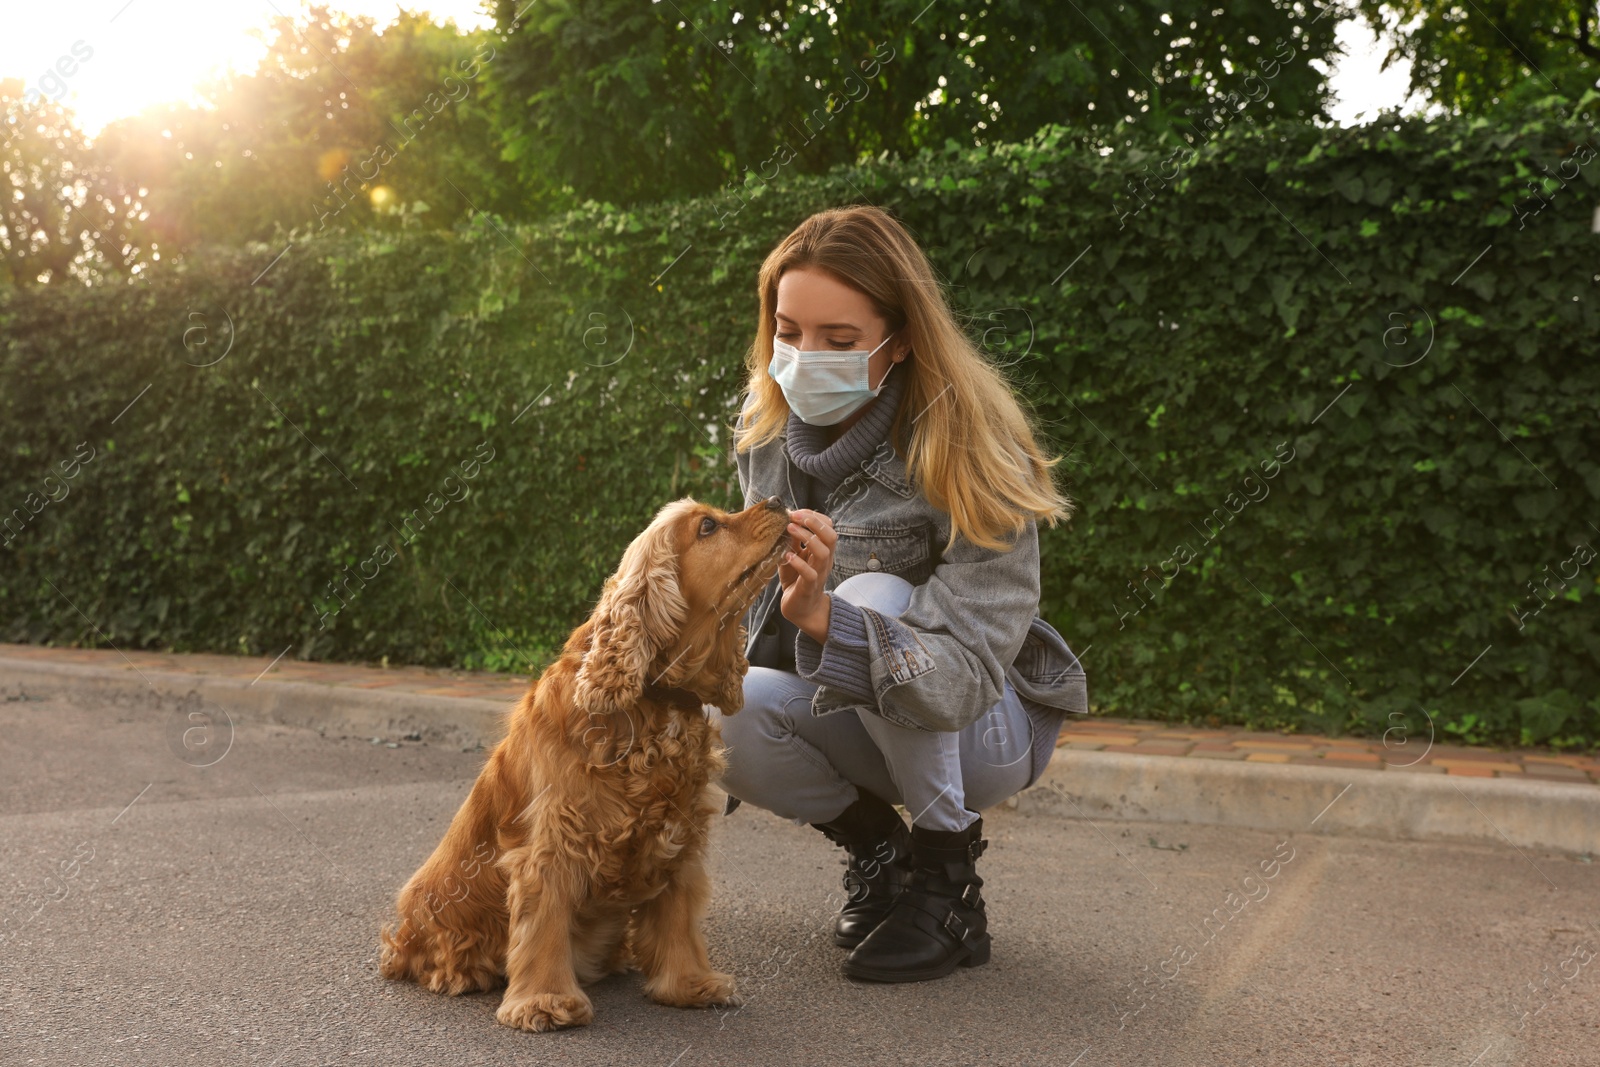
column 697, row 991
column 454, row 982
column 452, row 976
column 546, row 1011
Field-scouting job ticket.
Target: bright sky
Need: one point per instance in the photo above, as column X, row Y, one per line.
column 143, row 52
column 151, row 51
column 1360, row 88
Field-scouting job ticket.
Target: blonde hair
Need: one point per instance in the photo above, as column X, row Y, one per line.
column 972, row 451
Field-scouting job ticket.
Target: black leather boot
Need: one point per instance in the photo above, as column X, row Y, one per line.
column 938, row 921
column 876, row 844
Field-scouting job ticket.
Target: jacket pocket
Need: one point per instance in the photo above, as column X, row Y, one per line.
column 902, row 551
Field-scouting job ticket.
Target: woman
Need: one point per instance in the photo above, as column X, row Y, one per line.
column 906, row 663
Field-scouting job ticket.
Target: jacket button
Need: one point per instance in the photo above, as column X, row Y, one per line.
column 873, row 563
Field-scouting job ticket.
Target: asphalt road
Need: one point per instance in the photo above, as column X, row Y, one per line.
column 157, row 912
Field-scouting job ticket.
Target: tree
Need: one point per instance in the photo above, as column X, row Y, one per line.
column 1469, row 58
column 63, row 212
column 342, row 123
column 622, row 101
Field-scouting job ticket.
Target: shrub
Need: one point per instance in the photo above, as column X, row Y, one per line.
column 1322, row 393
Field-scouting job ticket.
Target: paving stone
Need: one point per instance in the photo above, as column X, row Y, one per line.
column 1162, row 748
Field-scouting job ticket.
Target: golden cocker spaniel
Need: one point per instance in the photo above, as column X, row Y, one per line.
column 580, row 851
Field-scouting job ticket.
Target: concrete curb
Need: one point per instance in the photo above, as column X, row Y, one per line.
column 1078, row 784
column 327, row 709
column 1277, row 797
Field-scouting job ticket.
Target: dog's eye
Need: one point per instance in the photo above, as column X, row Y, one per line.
column 708, row 526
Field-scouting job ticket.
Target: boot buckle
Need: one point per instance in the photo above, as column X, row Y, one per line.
column 956, row 925
column 970, row 896
column 976, row 848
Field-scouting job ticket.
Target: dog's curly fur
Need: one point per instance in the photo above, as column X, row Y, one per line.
column 580, row 850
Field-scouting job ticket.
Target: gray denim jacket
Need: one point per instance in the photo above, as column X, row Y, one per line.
column 972, row 621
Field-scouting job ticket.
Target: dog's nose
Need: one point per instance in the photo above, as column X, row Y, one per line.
column 775, row 503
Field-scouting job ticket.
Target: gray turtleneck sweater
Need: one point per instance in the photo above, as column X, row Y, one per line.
column 843, row 661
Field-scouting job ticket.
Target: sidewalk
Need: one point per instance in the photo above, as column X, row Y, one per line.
column 1407, row 755
column 265, row 670
column 1115, row 769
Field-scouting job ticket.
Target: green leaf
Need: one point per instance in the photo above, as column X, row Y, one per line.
column 1349, row 186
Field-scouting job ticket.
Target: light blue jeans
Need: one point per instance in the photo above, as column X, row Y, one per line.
column 807, row 767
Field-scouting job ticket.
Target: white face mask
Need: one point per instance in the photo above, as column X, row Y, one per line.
column 823, row 387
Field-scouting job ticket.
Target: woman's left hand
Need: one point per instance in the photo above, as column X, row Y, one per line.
column 804, row 571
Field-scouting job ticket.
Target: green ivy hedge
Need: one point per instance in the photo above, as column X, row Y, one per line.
column 1324, row 395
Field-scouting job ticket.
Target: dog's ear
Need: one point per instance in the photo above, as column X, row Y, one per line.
column 730, row 696
column 640, row 612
